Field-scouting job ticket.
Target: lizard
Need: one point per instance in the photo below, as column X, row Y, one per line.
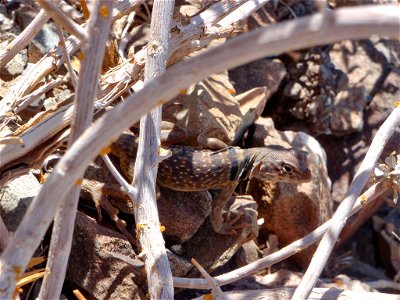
column 196, row 169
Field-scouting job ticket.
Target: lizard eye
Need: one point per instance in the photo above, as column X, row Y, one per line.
column 286, row 169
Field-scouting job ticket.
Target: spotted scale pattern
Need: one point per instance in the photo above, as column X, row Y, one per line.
column 195, row 169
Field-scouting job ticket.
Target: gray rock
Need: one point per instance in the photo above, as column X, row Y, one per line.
column 310, row 88
column 44, row 41
column 16, row 66
column 6, row 21
column 15, row 198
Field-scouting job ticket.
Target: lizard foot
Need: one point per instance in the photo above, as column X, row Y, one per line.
column 101, row 201
column 233, row 221
column 242, row 215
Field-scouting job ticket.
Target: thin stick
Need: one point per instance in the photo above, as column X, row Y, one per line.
column 339, row 219
column 24, row 38
column 4, row 235
column 242, row 12
column 70, row 69
column 130, row 190
column 158, row 270
column 370, row 195
column 11, row 140
column 216, row 290
column 60, row 17
column 317, row 294
column 52, row 61
column 383, row 284
column 28, row 99
column 72, row 12
column 98, row 30
column 356, row 22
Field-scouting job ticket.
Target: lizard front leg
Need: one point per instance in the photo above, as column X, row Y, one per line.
column 226, row 222
column 99, row 193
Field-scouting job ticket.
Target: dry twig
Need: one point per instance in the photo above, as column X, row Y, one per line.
column 148, row 227
column 4, row 235
column 317, row 294
column 70, row 69
column 216, row 290
column 24, row 38
column 97, row 30
column 52, row 61
column 61, row 18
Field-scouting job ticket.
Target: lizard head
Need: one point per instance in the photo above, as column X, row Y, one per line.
column 276, row 163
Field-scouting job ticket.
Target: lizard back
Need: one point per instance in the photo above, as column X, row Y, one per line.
column 194, row 169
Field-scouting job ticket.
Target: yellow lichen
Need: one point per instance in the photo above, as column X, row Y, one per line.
column 104, row 11
column 106, row 150
column 80, row 56
column 363, row 199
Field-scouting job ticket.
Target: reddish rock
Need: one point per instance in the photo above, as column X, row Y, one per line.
column 94, row 269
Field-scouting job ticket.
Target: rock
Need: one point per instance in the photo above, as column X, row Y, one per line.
column 291, row 211
column 6, row 22
column 260, row 73
column 310, row 88
column 180, row 266
column 247, row 254
column 345, row 154
column 60, row 94
column 389, row 49
column 93, row 268
column 15, row 198
column 387, row 244
column 213, row 250
column 357, row 60
column 211, row 114
column 97, row 172
column 182, row 213
column 44, row 41
column 329, row 88
column 17, row 64
column 8, row 32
